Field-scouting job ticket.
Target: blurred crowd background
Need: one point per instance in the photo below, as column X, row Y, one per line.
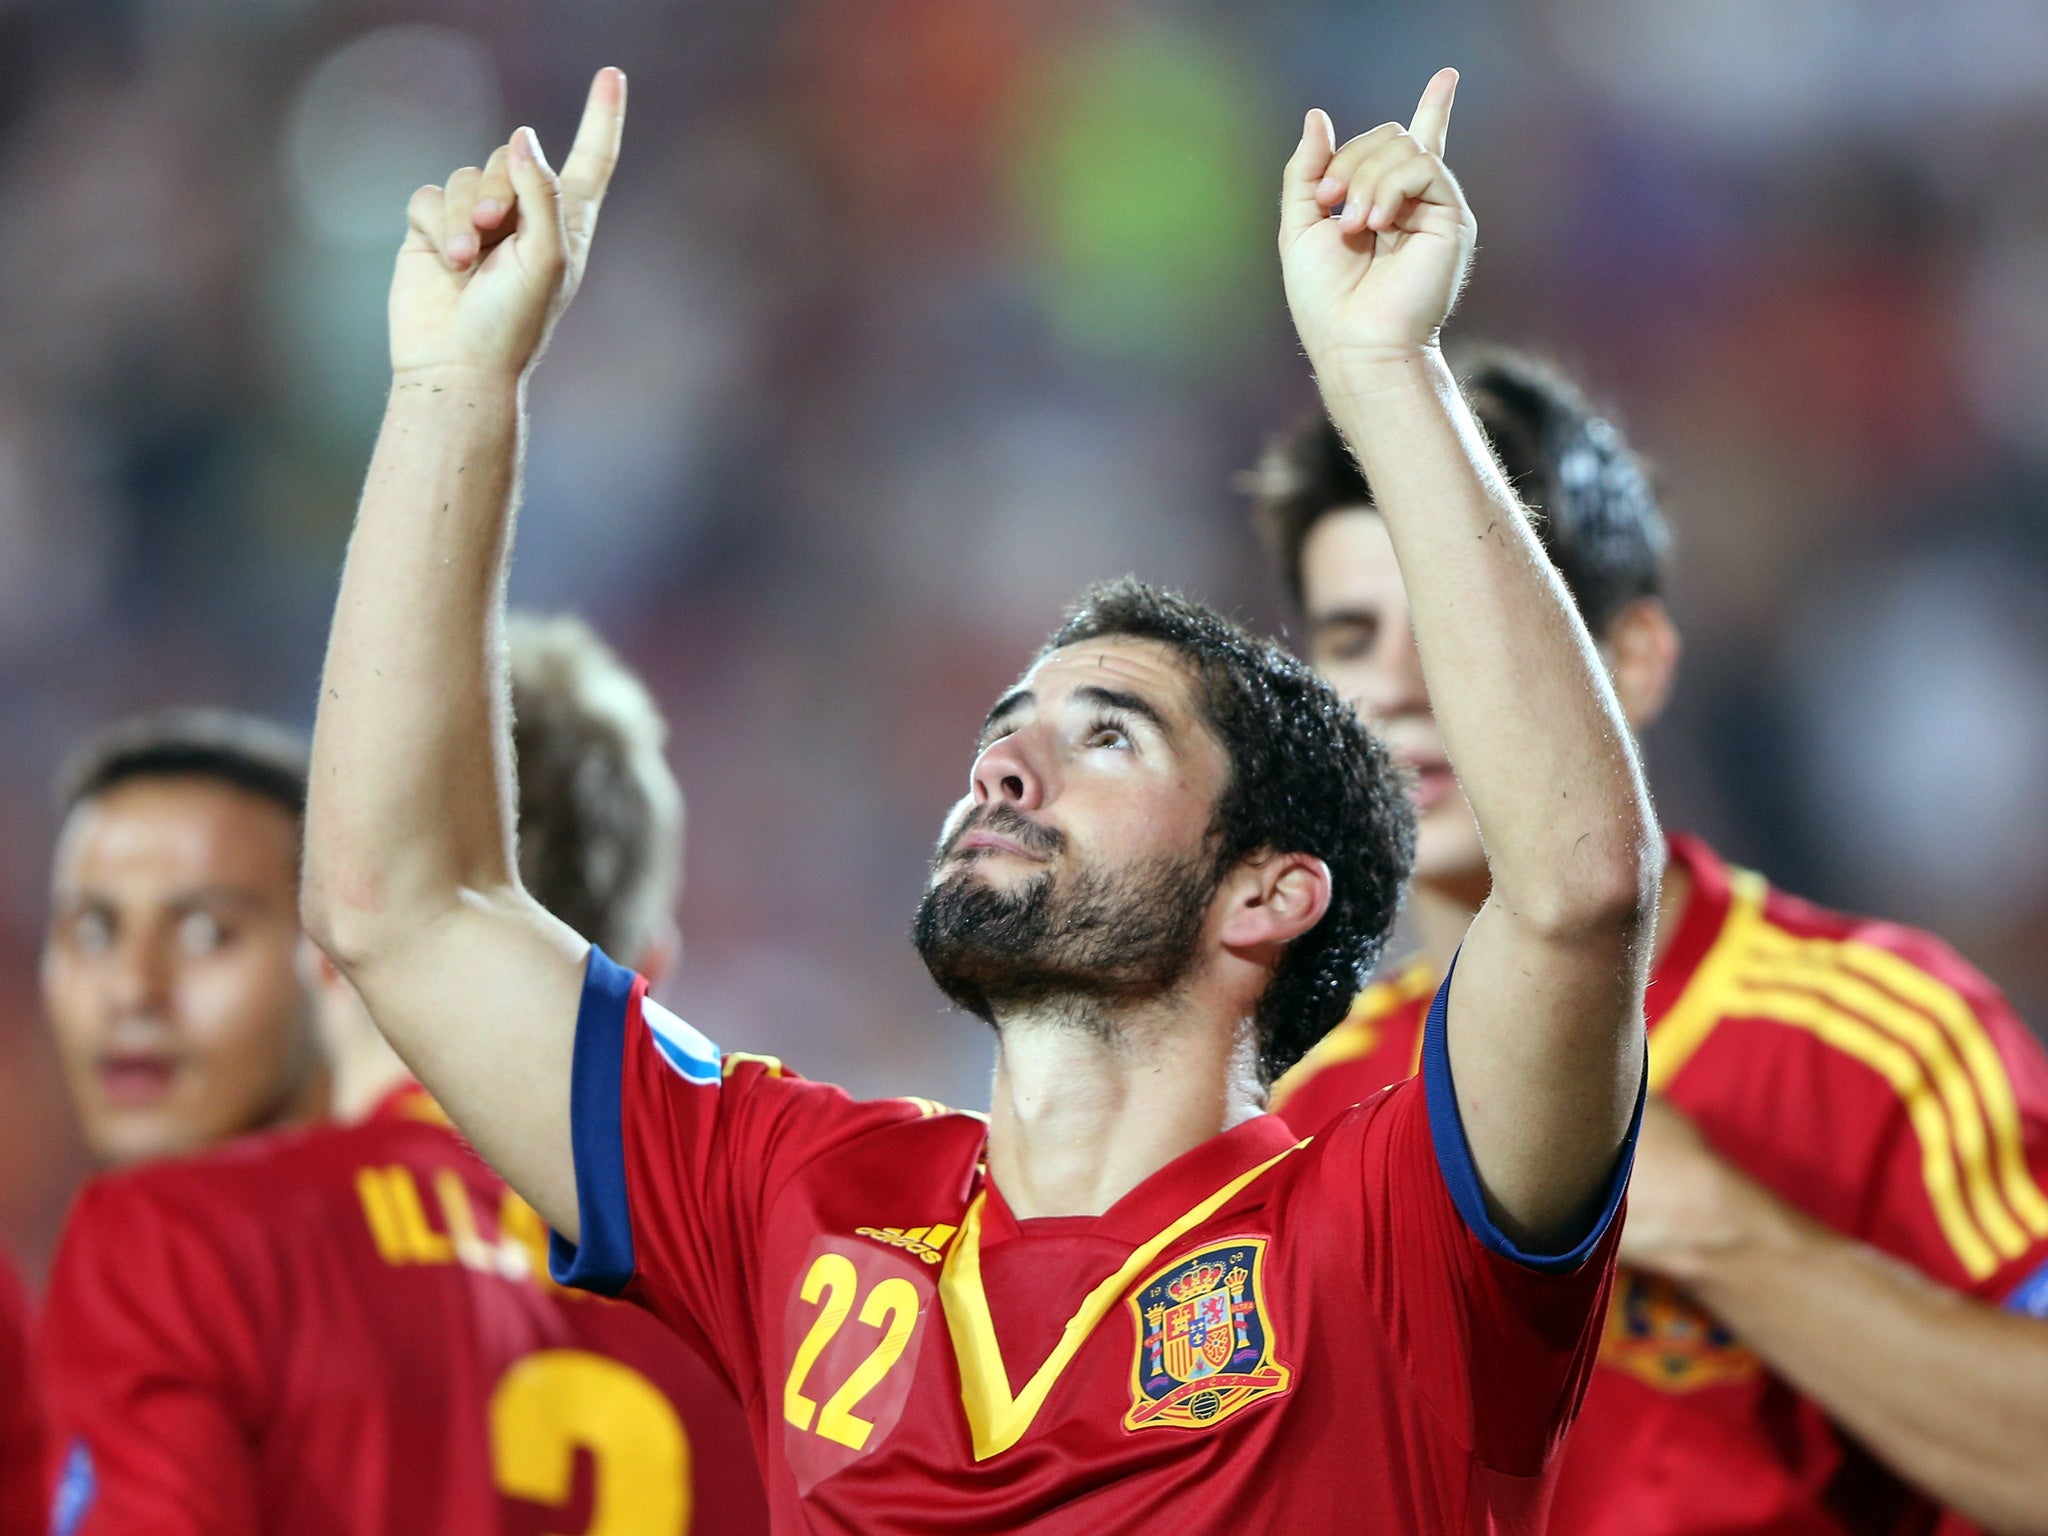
column 910, row 317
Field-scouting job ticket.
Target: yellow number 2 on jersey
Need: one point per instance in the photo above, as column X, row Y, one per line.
column 891, row 1306
column 558, row 1401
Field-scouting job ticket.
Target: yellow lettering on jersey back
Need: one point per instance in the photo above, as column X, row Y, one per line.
column 398, row 1218
column 471, row 1251
column 372, row 1188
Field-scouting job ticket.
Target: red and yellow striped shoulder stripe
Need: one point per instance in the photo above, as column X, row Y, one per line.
column 1360, row 1033
column 1908, row 1026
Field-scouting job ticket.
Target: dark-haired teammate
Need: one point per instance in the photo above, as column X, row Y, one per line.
column 1129, row 1300
column 1837, row 1094
column 351, row 1330
column 170, row 972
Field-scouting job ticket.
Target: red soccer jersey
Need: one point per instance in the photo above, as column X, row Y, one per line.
column 1868, row 1076
column 349, row 1331
column 21, row 1437
column 1265, row 1335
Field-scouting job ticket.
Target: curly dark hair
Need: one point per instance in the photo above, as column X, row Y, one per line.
column 1305, row 777
column 1596, row 514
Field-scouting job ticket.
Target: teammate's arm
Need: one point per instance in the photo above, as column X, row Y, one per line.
column 1545, row 1017
column 1950, row 1391
column 411, row 880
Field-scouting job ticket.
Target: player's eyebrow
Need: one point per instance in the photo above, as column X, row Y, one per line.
column 1129, row 703
column 1006, row 706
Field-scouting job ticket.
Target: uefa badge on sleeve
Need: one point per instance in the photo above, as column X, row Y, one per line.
column 1205, row 1344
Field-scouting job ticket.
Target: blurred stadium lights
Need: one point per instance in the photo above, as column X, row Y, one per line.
column 1160, row 251
column 386, row 112
column 381, row 115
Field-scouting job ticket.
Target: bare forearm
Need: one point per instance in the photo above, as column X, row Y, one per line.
column 1950, row 1392
column 1540, row 746
column 411, row 795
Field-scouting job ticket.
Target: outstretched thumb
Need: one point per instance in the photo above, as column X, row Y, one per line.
column 1299, row 210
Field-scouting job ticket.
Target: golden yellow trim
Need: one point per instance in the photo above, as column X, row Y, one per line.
column 1686, row 1024
column 996, row 1419
column 1358, row 1034
column 1994, row 1086
column 1904, row 1071
column 733, row 1060
column 1815, row 964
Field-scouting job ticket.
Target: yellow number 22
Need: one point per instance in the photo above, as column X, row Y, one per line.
column 557, row 1401
column 891, row 1306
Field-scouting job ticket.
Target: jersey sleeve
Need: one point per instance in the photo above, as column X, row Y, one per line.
column 680, row 1150
column 1499, row 1339
column 1957, row 1188
column 147, row 1369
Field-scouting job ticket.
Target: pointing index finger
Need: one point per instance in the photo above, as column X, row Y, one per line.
column 1432, row 122
column 588, row 170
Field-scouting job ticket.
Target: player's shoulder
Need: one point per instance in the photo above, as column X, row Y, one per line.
column 779, row 1105
column 1773, row 942
column 247, row 1183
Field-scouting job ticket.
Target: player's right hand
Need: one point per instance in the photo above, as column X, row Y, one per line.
column 492, row 259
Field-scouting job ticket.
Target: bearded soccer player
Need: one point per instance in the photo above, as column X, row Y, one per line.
column 352, row 1330
column 169, row 972
column 1835, row 1269
column 1128, row 1299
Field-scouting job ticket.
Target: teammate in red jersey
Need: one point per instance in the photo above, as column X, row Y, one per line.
column 1840, row 1098
column 1129, row 1300
column 351, row 1330
column 21, row 1417
column 170, row 971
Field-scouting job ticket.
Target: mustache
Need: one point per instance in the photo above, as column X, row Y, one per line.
column 1005, row 819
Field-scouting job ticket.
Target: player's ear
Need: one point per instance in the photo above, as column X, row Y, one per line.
column 1642, row 648
column 1274, row 899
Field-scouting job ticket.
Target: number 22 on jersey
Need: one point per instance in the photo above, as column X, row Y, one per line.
column 854, row 1327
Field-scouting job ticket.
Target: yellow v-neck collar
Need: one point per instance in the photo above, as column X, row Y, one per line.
column 996, row 1419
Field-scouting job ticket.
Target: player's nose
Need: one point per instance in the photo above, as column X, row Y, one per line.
column 1005, row 771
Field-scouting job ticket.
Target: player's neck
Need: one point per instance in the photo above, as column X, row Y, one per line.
column 1082, row 1115
column 1442, row 914
column 366, row 1072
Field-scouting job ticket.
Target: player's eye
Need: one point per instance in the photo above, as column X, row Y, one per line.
column 200, row 933
column 1108, row 731
column 92, row 932
column 1350, row 640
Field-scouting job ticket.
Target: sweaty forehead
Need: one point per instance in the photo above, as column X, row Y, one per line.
column 1149, row 668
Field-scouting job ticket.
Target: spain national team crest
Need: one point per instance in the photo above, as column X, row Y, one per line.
column 1659, row 1335
column 1205, row 1345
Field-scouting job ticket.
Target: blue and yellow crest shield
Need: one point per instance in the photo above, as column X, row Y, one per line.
column 1205, row 1343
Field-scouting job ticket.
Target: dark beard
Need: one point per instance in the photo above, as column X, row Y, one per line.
column 1095, row 937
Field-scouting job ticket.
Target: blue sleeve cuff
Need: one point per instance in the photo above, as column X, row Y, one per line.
column 603, row 1260
column 1461, row 1176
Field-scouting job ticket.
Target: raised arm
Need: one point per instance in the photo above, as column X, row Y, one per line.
column 411, row 880
column 1545, row 1018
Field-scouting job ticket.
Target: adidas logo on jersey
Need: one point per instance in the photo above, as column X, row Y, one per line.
column 928, row 1243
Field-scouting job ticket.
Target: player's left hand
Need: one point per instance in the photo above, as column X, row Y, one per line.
column 1687, row 1203
column 492, row 259
column 1375, row 236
